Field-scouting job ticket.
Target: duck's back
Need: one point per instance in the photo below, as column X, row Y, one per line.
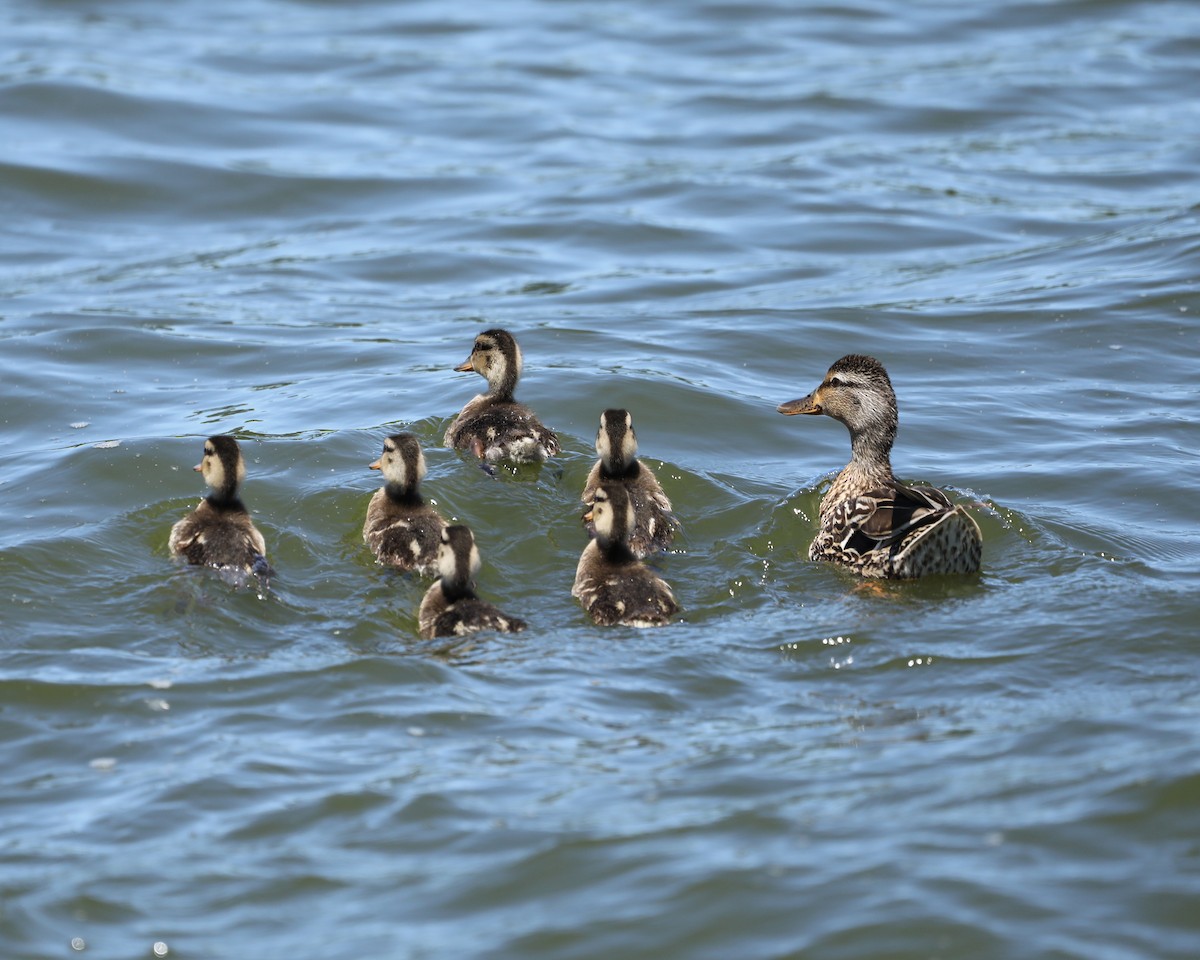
column 899, row 532
column 439, row 617
column 403, row 535
column 501, row 429
column 219, row 537
column 622, row 593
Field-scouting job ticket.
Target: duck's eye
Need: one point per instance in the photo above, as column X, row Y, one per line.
column 837, row 382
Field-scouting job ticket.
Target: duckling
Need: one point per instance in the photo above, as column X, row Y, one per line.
column 401, row 528
column 494, row 426
column 616, row 444
column 450, row 607
column 219, row 532
column 611, row 583
column 869, row 521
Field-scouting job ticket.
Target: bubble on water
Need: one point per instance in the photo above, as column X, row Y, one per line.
column 158, row 704
column 103, row 763
column 106, row 444
column 416, row 731
column 160, row 949
column 161, row 684
column 79, row 425
column 78, row 945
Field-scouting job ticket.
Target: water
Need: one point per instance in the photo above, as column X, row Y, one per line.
column 288, row 221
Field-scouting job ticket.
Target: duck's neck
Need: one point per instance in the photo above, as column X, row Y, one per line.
column 870, row 456
column 614, row 468
column 457, row 588
column 870, row 467
column 404, row 494
column 225, row 498
column 615, row 551
column 502, row 388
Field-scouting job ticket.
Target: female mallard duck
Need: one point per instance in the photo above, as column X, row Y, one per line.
column 401, row 528
column 493, row 425
column 616, row 444
column 219, row 532
column 870, row 521
column 611, row 583
column 450, row 607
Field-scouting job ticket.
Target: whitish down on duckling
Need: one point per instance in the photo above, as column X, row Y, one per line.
column 451, row 608
column 869, row 521
column 219, row 532
column 401, row 528
column 612, row 584
column 494, row 425
column 616, row 445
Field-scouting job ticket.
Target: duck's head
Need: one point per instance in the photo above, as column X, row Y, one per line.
column 616, row 443
column 611, row 514
column 402, row 463
column 458, row 557
column 497, row 358
column 856, row 390
column 222, row 467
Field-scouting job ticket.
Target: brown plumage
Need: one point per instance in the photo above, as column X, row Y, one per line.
column 219, row 532
column 870, row 521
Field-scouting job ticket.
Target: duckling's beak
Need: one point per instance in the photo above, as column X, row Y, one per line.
column 199, row 468
column 374, row 466
column 587, row 517
column 466, row 366
column 803, row 405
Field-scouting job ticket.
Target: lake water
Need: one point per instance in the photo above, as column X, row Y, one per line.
column 288, row 220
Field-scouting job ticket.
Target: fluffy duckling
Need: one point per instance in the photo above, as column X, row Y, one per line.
column 869, row 521
column 611, row 583
column 219, row 532
column 494, row 426
column 401, row 528
column 616, row 444
column 450, row 607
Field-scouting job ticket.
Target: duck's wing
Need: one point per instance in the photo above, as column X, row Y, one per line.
column 880, row 519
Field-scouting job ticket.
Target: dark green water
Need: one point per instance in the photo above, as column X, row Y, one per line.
column 288, row 221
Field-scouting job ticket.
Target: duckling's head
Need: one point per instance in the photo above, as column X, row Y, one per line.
column 857, row 391
column 612, row 515
column 616, row 443
column 222, row 467
column 497, row 358
column 458, row 557
column 402, row 463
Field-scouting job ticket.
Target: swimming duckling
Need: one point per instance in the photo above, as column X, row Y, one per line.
column 450, row 607
column 219, row 532
column 494, row 426
column 611, row 583
column 401, row 528
column 869, row 521
column 616, row 444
